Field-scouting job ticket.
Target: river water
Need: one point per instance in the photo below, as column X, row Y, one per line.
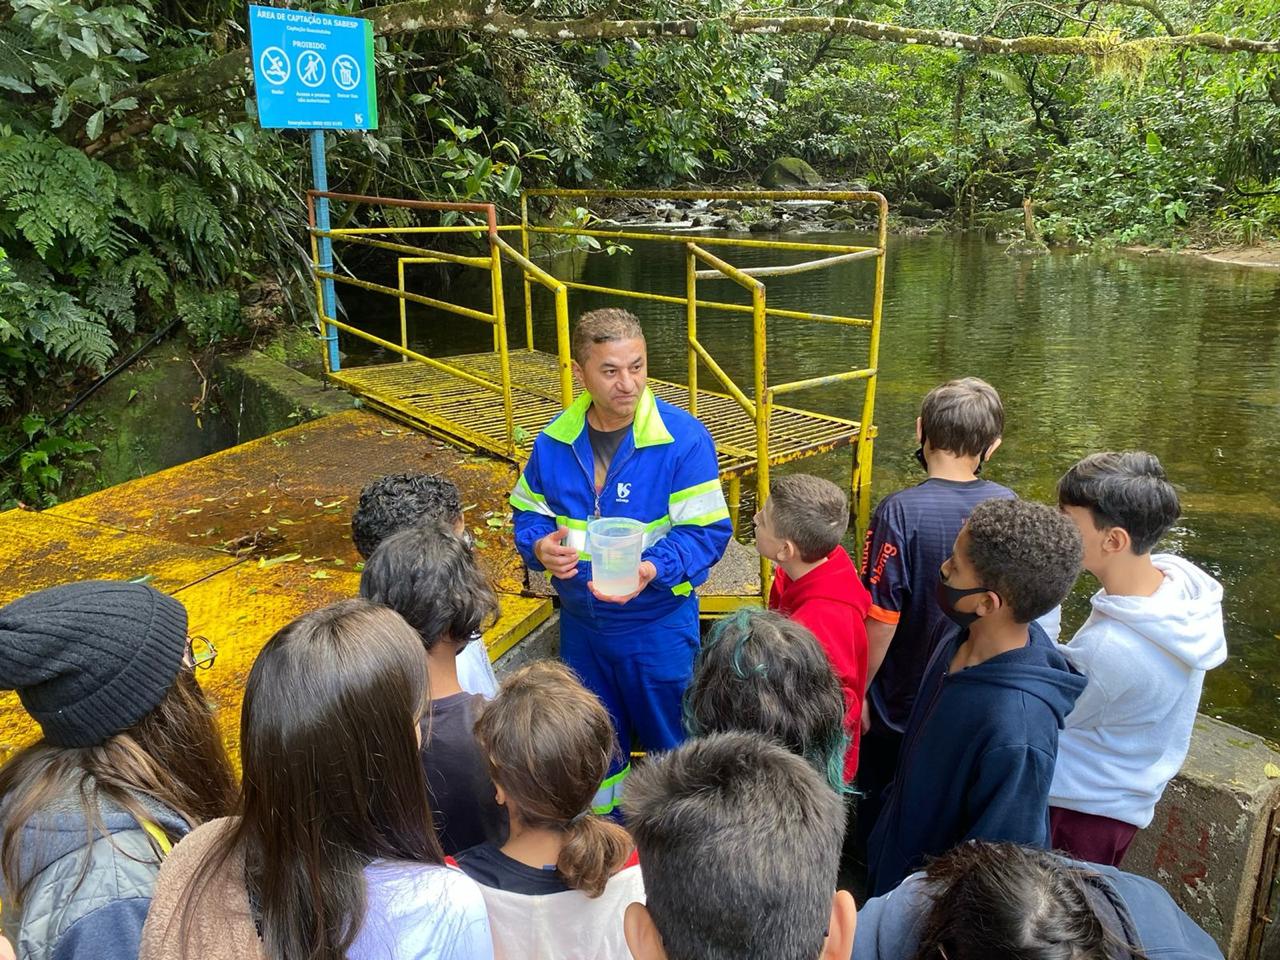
column 1089, row 352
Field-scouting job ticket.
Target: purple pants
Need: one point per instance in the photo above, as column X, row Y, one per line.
column 1087, row 836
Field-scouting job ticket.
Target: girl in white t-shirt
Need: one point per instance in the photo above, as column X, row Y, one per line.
column 557, row 889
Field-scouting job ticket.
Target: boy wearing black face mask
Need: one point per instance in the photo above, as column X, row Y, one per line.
column 980, row 744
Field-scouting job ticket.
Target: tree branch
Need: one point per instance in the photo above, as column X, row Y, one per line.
column 1151, row 8
column 488, row 17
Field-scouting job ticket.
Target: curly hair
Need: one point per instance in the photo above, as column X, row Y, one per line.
column 428, row 575
column 760, row 672
column 399, row 500
column 1128, row 490
column 1026, row 552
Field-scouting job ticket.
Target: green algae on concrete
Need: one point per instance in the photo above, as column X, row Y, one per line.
column 261, row 394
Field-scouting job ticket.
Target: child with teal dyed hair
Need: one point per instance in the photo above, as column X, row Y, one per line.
column 761, row 672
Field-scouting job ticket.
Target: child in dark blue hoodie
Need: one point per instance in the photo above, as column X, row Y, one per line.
column 980, row 745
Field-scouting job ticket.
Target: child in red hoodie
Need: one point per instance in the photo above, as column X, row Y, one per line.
column 816, row 584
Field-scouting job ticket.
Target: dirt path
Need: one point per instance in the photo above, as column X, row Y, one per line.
column 1266, row 256
column 1263, row 257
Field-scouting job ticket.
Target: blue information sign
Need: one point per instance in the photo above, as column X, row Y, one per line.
column 313, row 70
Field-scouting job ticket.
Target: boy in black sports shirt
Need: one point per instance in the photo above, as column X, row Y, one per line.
column 910, row 535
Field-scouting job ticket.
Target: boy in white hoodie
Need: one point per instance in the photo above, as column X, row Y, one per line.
column 1156, row 627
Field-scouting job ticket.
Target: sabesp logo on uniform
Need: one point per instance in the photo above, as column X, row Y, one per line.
column 624, row 491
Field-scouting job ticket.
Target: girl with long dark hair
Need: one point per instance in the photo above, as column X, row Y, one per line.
column 332, row 854
column 129, row 762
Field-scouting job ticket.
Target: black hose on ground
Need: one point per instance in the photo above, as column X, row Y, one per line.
column 89, row 391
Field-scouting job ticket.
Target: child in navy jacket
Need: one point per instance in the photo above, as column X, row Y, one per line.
column 982, row 738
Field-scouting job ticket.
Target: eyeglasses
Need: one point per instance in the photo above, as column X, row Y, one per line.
column 201, row 653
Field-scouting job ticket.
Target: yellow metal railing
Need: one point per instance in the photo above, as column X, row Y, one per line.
column 495, row 316
column 760, row 405
column 758, row 400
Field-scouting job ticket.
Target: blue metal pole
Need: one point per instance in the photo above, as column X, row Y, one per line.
column 320, row 177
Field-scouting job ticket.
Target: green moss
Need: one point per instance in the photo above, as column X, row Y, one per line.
column 298, row 346
column 789, row 173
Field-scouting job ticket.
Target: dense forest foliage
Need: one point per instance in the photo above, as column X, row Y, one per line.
column 132, row 192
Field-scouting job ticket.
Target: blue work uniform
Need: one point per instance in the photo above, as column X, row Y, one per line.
column 636, row 657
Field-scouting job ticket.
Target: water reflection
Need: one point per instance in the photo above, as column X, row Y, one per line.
column 1088, row 351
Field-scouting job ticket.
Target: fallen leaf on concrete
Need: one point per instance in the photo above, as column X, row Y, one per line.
column 263, row 562
column 1272, row 771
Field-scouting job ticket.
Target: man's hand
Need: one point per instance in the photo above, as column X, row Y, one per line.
column 561, row 561
column 647, row 572
column 866, row 715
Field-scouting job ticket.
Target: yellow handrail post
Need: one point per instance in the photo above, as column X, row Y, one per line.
column 528, row 288
column 564, row 358
column 404, row 325
column 865, row 448
column 500, row 342
column 561, row 293
column 735, row 501
column 691, row 316
column 764, row 408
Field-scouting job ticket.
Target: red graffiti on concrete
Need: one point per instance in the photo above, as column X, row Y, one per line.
column 1183, row 848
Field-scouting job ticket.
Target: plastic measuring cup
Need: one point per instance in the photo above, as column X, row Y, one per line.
column 615, row 544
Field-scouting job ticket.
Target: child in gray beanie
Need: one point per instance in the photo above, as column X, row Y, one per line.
column 130, row 762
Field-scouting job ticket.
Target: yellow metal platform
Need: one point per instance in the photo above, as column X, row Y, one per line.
column 252, row 537
column 451, row 407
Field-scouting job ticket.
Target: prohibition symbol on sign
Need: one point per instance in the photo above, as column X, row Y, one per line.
column 311, row 70
column 346, row 72
column 275, row 65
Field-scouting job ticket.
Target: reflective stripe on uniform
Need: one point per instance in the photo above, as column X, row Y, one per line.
column 610, row 793
column 523, row 497
column 655, row 530
column 577, row 537
column 699, row 506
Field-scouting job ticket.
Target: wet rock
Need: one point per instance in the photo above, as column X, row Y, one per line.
column 1026, row 248
column 787, row 173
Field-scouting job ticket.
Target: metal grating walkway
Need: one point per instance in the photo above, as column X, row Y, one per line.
column 446, row 405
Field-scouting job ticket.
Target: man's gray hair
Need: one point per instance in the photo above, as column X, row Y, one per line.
column 603, row 326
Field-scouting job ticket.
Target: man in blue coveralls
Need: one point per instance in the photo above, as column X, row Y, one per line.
column 619, row 451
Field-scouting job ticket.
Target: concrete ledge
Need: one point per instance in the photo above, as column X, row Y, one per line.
column 542, row 643
column 262, row 395
column 1213, row 842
